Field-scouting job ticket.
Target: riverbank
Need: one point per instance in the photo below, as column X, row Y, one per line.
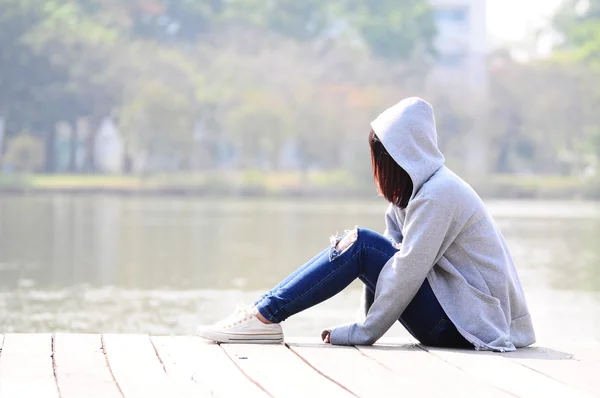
column 283, row 184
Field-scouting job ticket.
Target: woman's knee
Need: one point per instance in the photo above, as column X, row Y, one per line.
column 368, row 235
column 341, row 244
column 361, row 235
column 347, row 240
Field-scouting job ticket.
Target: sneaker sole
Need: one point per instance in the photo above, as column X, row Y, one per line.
column 241, row 338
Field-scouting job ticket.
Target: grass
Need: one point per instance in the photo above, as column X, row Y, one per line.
column 255, row 182
column 217, row 181
column 68, row 181
column 532, row 186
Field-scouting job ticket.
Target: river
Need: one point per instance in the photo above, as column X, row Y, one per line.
column 164, row 265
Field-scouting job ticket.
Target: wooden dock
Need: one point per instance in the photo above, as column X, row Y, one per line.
column 107, row 366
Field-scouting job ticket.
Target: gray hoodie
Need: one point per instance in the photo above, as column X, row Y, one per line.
column 446, row 236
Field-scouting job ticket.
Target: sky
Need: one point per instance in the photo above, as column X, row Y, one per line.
column 510, row 20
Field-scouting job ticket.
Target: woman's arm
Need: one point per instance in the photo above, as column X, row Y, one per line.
column 427, row 236
column 392, row 229
column 392, row 232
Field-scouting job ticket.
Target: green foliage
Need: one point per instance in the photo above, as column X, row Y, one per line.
column 536, row 127
column 157, row 120
column 63, row 59
column 579, row 23
column 258, row 75
column 409, row 23
column 302, row 20
column 391, row 29
column 29, row 84
column 259, row 126
column 24, row 153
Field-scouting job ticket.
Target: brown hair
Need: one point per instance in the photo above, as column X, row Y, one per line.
column 392, row 181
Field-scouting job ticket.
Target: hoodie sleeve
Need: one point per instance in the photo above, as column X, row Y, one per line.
column 392, row 229
column 394, row 233
column 426, row 231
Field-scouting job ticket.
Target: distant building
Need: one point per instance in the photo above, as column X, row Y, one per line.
column 62, row 147
column 461, row 43
column 109, row 148
column 1, row 137
column 461, row 67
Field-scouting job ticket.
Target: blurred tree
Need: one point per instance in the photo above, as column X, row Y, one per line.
column 578, row 22
column 301, row 20
column 391, row 29
column 24, row 153
column 30, row 85
column 258, row 127
column 270, row 73
column 394, row 29
column 169, row 21
column 539, row 127
column 157, row 124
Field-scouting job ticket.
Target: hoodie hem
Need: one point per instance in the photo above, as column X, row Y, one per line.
column 477, row 343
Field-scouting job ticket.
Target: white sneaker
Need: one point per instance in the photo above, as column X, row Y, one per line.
column 243, row 327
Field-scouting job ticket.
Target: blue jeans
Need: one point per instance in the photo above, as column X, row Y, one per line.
column 330, row 271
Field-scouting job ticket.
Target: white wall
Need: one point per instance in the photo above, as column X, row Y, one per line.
column 461, row 43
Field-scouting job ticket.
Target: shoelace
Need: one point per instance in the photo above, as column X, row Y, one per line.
column 234, row 319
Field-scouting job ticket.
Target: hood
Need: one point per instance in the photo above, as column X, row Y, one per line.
column 407, row 131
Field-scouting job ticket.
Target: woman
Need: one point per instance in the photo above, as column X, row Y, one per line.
column 442, row 267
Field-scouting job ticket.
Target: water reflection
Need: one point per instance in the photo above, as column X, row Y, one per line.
column 152, row 264
column 163, row 243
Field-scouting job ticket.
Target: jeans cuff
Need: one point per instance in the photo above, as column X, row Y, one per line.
column 264, row 311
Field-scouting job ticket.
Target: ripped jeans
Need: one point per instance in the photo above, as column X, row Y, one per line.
column 333, row 269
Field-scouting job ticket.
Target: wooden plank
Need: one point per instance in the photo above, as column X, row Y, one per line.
column 180, row 361
column 137, row 369
column 586, row 351
column 203, row 362
column 26, row 368
column 362, row 375
column 418, row 365
column 503, row 373
column 281, row 372
column 81, row 368
column 561, row 366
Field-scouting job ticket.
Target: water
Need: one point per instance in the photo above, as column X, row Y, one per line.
column 164, row 265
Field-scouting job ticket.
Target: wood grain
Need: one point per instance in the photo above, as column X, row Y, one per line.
column 362, row 375
column 137, row 369
column 505, row 374
column 204, row 363
column 435, row 376
column 114, row 366
column 26, row 368
column 81, row 368
column 280, row 372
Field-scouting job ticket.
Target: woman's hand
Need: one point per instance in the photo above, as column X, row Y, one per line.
column 325, row 336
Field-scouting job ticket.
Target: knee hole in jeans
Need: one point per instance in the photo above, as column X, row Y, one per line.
column 340, row 245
